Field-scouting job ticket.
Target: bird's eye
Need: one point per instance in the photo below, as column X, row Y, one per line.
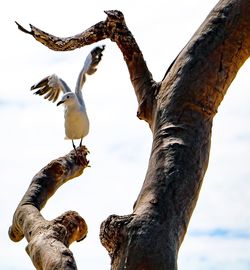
column 67, row 96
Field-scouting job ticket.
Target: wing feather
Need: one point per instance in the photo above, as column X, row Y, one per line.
column 50, row 87
column 90, row 65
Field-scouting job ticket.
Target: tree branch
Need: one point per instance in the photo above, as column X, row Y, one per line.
column 114, row 28
column 180, row 112
column 48, row 241
column 187, row 101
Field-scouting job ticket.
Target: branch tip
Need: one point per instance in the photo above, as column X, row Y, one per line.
column 21, row 28
column 115, row 15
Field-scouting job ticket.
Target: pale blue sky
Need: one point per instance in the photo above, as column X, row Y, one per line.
column 32, row 131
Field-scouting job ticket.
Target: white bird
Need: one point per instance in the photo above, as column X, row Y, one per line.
column 76, row 119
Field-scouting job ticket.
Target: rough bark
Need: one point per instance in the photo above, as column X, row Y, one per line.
column 48, row 241
column 179, row 111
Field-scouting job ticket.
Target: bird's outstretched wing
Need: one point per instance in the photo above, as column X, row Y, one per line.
column 50, row 87
column 90, row 66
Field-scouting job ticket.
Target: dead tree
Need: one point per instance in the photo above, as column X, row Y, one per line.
column 179, row 111
column 48, row 241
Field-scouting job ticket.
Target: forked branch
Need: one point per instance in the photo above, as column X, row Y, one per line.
column 48, row 241
column 180, row 111
column 114, row 28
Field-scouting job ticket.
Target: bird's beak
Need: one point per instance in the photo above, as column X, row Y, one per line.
column 60, row 102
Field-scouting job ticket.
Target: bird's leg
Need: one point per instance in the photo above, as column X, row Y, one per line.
column 81, row 142
column 74, row 147
column 78, row 158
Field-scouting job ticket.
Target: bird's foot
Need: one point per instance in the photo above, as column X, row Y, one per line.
column 80, row 156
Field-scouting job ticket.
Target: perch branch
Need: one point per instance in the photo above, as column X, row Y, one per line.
column 114, row 28
column 180, row 111
column 48, row 241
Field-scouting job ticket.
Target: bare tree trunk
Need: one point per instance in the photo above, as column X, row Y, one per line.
column 179, row 111
column 48, row 241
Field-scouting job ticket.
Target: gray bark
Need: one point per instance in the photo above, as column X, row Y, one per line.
column 48, row 241
column 179, row 111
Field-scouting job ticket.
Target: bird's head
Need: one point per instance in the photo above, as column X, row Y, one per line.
column 68, row 99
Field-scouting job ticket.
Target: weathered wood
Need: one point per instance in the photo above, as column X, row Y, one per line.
column 115, row 28
column 180, row 112
column 48, row 241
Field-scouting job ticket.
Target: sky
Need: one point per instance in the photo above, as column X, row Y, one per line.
column 32, row 132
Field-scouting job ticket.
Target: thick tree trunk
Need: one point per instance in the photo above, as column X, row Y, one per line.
column 179, row 111
column 48, row 241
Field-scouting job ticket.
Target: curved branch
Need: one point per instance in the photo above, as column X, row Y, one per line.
column 48, row 241
column 187, row 101
column 114, row 28
column 180, row 112
column 89, row 36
